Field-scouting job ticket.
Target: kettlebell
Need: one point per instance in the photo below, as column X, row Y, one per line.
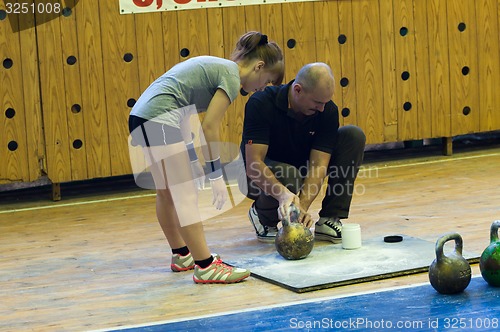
column 449, row 274
column 489, row 264
column 294, row 241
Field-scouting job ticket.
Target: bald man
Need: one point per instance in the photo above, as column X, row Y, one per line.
column 291, row 142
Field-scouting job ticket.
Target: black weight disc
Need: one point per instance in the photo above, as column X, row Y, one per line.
column 393, row 238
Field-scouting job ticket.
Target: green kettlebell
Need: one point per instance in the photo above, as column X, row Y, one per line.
column 449, row 274
column 489, row 264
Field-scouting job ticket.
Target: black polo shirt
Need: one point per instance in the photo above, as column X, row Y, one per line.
column 269, row 121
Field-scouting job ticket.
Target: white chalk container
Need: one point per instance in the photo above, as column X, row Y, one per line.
column 351, row 236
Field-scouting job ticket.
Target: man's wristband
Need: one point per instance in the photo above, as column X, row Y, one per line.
column 215, row 169
column 191, row 151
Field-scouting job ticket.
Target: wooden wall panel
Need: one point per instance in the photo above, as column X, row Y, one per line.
column 368, row 64
column 121, row 80
column 299, row 36
column 232, row 28
column 462, row 35
column 360, row 39
column 215, row 32
column 422, row 70
column 488, row 48
column 53, row 99
column 406, row 90
column 252, row 18
column 13, row 143
column 170, row 39
column 31, row 97
column 348, row 107
column 271, row 22
column 150, row 55
column 93, row 91
column 439, row 68
column 389, row 16
column 193, row 32
column 327, row 45
column 73, row 96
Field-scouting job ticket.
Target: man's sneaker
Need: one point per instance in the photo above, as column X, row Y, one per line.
column 218, row 272
column 328, row 229
column 184, row 263
column 264, row 233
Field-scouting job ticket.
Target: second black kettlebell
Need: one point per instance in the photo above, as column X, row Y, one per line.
column 449, row 274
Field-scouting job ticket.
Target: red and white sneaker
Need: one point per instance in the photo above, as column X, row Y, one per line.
column 218, row 272
column 184, row 263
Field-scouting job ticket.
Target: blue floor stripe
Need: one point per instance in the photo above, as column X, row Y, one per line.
column 418, row 308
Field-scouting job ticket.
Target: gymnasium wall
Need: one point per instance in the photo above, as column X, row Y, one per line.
column 406, row 69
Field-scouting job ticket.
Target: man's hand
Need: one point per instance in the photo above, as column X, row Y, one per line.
column 305, row 218
column 285, row 201
column 299, row 215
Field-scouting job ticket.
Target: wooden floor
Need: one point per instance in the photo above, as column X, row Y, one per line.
column 97, row 259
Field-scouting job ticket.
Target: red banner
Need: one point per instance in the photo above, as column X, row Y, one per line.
column 145, row 6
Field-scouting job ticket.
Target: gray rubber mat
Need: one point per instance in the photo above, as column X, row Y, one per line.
column 329, row 265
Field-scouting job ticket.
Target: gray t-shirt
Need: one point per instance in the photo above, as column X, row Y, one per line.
column 186, row 88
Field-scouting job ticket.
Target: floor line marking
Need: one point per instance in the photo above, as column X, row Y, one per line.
column 280, row 305
column 76, row 203
column 427, row 162
column 362, row 169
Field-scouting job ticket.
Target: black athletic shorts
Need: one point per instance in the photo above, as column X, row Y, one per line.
column 152, row 133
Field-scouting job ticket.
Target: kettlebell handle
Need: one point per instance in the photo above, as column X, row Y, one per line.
column 294, row 213
column 494, row 231
column 445, row 238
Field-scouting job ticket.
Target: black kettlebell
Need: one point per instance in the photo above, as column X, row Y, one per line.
column 294, row 241
column 449, row 274
column 489, row 264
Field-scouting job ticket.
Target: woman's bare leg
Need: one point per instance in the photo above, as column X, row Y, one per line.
column 177, row 202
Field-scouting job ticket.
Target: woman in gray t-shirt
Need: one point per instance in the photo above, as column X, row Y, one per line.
column 159, row 123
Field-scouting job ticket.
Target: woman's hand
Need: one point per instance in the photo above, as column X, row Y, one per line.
column 219, row 191
column 198, row 174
